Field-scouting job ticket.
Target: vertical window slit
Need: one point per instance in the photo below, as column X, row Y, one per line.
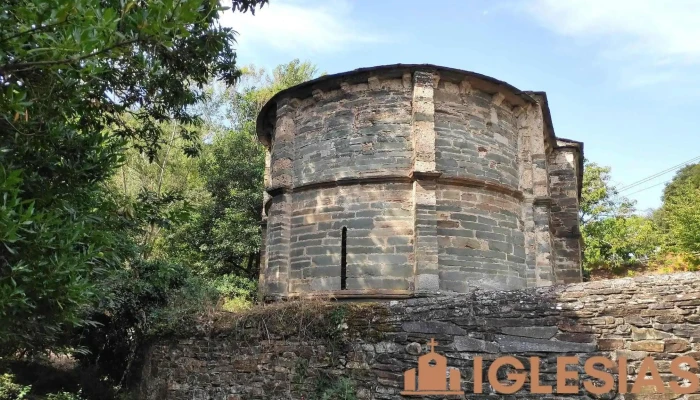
column 343, row 259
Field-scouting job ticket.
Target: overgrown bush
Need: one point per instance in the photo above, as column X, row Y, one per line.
column 50, row 259
column 9, row 390
column 335, row 388
column 147, row 299
column 64, row 396
column 51, row 375
column 237, row 292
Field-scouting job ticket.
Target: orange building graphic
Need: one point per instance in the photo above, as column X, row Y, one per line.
column 432, row 376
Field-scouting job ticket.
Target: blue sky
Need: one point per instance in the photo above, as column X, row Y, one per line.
column 623, row 76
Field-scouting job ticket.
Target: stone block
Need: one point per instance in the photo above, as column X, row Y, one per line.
column 631, row 355
column 576, row 337
column 539, row 332
column 648, row 345
column 676, row 345
column 648, row 334
column 468, row 344
column 427, row 283
column 514, row 344
column 436, row 327
column 610, row 344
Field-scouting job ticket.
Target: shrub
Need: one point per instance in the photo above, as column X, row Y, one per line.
column 64, row 396
column 9, row 390
column 237, row 292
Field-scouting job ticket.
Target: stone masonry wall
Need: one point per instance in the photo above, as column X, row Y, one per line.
column 393, row 156
column 368, row 346
column 379, row 224
column 564, row 181
column 480, row 239
column 275, row 268
column 475, row 137
column 353, row 132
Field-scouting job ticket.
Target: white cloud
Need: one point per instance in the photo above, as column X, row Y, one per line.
column 300, row 27
column 654, row 39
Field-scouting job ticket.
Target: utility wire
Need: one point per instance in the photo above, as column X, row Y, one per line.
column 658, row 174
column 648, row 187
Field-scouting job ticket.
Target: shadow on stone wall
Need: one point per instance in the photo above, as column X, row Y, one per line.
column 308, row 349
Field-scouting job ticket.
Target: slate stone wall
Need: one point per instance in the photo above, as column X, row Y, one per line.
column 563, row 175
column 480, row 239
column 474, row 137
column 277, row 246
column 357, row 132
column 657, row 316
column 379, row 224
column 445, row 180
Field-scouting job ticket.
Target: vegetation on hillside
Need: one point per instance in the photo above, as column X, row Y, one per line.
column 130, row 180
column 188, row 227
column 617, row 238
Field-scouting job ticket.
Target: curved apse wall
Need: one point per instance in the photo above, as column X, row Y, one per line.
column 404, row 179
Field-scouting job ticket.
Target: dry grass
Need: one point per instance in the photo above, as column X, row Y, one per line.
column 307, row 319
column 668, row 264
column 299, row 319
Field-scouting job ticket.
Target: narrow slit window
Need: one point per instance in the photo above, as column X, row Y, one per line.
column 344, row 259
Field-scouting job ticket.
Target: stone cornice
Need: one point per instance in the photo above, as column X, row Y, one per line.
column 477, row 81
column 482, row 183
column 415, row 176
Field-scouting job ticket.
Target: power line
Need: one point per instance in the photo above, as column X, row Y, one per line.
column 648, row 187
column 647, row 179
column 658, row 174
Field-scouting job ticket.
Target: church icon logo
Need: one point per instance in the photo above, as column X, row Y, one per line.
column 432, row 376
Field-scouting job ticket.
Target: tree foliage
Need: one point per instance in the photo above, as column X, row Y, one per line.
column 223, row 236
column 599, row 197
column 688, row 176
column 195, row 222
column 683, row 218
column 613, row 234
column 129, row 205
column 679, row 216
column 81, row 81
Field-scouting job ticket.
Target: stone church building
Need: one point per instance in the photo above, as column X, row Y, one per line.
column 403, row 180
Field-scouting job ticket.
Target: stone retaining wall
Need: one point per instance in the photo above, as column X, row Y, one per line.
column 656, row 317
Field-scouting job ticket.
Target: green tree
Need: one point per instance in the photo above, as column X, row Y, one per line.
column 163, row 190
column 224, row 234
column 679, row 216
column 195, row 223
column 80, row 80
column 613, row 235
column 599, row 197
column 683, row 218
column 688, row 175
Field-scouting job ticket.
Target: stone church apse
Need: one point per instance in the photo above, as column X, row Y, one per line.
column 403, row 180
